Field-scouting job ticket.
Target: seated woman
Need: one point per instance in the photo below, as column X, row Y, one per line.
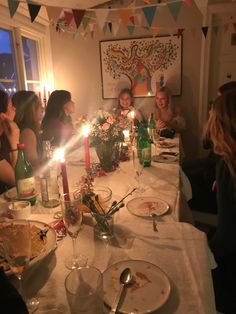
column 9, row 138
column 222, row 130
column 28, row 116
column 57, row 124
column 168, row 116
column 125, row 107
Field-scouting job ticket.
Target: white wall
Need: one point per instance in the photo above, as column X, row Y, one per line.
column 76, row 64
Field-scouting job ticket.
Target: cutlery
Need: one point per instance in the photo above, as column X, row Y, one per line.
column 125, row 279
column 154, row 223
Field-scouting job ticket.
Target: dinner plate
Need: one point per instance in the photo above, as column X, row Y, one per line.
column 165, row 144
column 11, row 195
column 165, row 158
column 149, row 290
column 147, row 205
column 50, row 245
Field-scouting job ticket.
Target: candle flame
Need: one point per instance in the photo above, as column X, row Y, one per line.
column 59, row 155
column 86, row 130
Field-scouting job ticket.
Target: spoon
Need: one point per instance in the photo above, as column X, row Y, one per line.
column 125, row 279
column 154, row 223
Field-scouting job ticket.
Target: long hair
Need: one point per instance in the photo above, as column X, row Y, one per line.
column 222, row 128
column 55, row 106
column 3, row 101
column 26, row 103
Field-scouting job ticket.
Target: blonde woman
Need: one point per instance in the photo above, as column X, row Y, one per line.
column 222, row 130
column 167, row 115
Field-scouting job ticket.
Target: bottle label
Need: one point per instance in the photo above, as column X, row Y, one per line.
column 146, row 156
column 26, row 188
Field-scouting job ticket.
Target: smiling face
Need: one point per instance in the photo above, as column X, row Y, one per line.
column 125, row 100
column 162, row 100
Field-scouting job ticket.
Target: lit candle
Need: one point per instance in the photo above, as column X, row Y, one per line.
column 132, row 115
column 44, row 96
column 126, row 135
column 85, row 131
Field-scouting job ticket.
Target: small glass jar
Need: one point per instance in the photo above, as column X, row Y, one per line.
column 103, row 226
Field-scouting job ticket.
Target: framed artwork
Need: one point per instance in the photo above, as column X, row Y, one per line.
column 142, row 64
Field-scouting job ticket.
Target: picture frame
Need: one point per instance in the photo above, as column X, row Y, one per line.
column 141, row 64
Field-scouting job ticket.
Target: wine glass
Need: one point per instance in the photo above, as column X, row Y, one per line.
column 71, row 204
column 155, row 139
column 16, row 245
column 138, row 166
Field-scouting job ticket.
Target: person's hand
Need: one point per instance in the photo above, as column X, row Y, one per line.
column 11, row 130
column 160, row 124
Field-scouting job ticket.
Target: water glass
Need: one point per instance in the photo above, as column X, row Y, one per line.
column 84, row 290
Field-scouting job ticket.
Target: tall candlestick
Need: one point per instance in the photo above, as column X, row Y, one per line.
column 64, row 180
column 85, row 131
column 44, row 96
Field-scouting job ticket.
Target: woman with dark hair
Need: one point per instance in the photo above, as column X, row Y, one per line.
column 9, row 138
column 28, row 116
column 57, row 123
column 222, row 130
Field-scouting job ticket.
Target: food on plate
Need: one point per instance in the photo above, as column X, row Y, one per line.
column 38, row 240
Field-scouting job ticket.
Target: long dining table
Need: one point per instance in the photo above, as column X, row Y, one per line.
column 178, row 248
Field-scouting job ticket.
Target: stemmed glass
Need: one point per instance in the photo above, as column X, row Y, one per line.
column 15, row 242
column 138, row 167
column 71, row 204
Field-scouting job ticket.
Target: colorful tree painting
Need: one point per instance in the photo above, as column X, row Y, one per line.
column 139, row 60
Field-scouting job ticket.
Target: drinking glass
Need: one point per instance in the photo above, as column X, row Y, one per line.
column 138, row 166
column 16, row 245
column 84, row 290
column 155, row 139
column 71, row 204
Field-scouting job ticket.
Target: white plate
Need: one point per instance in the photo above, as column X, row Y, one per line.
column 50, row 246
column 11, row 195
column 147, row 205
column 165, row 158
column 150, row 290
column 165, row 144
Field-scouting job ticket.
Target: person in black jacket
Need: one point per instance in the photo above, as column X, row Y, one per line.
column 222, row 130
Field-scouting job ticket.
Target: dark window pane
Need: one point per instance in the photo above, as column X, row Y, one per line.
column 31, row 59
column 7, row 67
column 10, row 88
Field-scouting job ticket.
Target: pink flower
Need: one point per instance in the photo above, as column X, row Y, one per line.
column 106, row 126
column 110, row 120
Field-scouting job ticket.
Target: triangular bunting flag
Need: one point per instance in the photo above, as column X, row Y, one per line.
column 68, row 17
column 180, row 32
column 33, row 11
column 149, row 13
column 53, row 13
column 78, row 16
column 115, row 28
column 104, row 29
column 174, row 8
column 132, row 19
column 85, row 21
column 125, row 15
column 234, row 25
column 13, row 5
column 226, row 27
column 101, row 15
column 110, row 26
column 205, row 31
column 187, row 2
column 130, row 29
column 215, row 29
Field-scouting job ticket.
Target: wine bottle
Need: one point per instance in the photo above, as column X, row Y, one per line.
column 25, row 181
column 151, row 127
column 144, row 145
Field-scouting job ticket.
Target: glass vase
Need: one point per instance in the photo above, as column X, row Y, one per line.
column 103, row 226
column 107, row 155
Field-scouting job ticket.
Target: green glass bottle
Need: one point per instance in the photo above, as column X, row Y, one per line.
column 144, row 145
column 152, row 127
column 25, row 181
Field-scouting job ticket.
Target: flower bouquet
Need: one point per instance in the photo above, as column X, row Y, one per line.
column 105, row 135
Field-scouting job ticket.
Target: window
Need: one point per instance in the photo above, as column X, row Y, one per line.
column 27, row 74
column 8, row 77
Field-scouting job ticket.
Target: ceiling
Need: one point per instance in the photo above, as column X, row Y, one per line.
column 75, row 4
